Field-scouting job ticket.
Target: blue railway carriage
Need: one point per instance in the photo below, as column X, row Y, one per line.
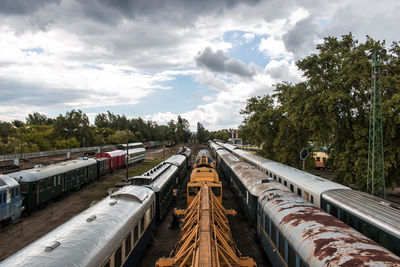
column 38, row 185
column 136, row 155
column 372, row 216
column 247, row 184
column 214, row 147
column 10, row 199
column 187, row 152
column 179, row 161
column 113, row 232
column 162, row 180
column 224, row 161
column 296, row 233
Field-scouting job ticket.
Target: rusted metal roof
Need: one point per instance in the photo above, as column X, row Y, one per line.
column 319, row 238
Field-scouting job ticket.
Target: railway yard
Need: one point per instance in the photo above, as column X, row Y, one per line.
column 265, row 219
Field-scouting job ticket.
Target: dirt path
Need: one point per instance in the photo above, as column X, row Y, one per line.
column 28, row 229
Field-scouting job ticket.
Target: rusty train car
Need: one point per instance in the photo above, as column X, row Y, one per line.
column 374, row 217
column 294, row 232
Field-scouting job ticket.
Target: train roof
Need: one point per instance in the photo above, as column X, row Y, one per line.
column 7, row 181
column 252, row 158
column 378, row 212
column 227, row 157
column 135, row 150
column 115, row 153
column 302, row 179
column 319, row 238
column 157, row 177
column 253, row 179
column 229, row 147
column 163, row 178
column 176, row 160
column 90, row 237
column 185, row 151
column 36, row 174
column 131, row 144
column 214, row 146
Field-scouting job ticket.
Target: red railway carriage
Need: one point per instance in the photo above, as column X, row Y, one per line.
column 117, row 158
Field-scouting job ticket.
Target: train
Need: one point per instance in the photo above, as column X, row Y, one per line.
column 113, row 232
column 151, row 144
column 164, row 178
column 10, row 200
column 203, row 173
column 374, row 217
column 292, row 231
column 39, row 185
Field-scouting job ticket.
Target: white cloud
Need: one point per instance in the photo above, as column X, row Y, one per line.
column 249, row 37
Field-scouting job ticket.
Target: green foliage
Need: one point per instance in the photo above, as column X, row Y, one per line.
column 202, row 133
column 330, row 108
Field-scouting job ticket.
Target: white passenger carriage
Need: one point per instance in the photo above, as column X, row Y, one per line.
column 113, row 232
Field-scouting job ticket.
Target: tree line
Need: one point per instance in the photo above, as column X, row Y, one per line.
column 330, row 109
column 40, row 133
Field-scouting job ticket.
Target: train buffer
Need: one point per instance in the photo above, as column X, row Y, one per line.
column 205, row 238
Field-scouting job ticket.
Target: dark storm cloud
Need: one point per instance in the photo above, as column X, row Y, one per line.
column 300, row 40
column 22, row 7
column 220, row 63
column 17, row 93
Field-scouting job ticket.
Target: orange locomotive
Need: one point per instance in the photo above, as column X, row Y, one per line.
column 203, row 173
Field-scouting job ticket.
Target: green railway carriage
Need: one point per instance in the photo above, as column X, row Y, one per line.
column 41, row 184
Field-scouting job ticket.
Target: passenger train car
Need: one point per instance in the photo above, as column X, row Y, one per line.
column 38, row 185
column 292, row 231
column 163, row 179
column 10, row 200
column 203, row 173
column 376, row 218
column 114, row 232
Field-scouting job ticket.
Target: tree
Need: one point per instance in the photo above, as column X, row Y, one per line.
column 202, row 133
column 38, row 119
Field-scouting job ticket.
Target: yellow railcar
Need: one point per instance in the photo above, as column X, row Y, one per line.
column 203, row 173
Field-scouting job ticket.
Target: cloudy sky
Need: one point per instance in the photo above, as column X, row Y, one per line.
column 158, row 59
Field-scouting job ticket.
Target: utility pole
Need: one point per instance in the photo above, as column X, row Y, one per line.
column 376, row 169
column 127, row 154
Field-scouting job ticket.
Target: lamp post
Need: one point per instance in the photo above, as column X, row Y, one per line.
column 127, row 154
column 69, row 140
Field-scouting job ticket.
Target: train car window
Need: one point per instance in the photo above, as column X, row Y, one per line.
column 274, row 176
column 247, row 197
column 42, row 184
column 142, row 225
column 291, row 188
column 270, row 174
column 128, row 245
column 136, row 234
column 107, row 264
column 5, row 197
column 291, row 256
column 34, row 187
column 285, row 183
column 55, row 180
column 118, row 257
column 312, row 199
column 386, row 240
column 299, row 191
column 1, row 197
column 334, row 211
column 281, row 245
column 266, row 172
column 280, row 180
column 273, row 233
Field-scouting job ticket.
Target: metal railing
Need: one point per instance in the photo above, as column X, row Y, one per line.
column 31, row 155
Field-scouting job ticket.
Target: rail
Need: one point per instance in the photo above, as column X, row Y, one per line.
column 205, row 238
